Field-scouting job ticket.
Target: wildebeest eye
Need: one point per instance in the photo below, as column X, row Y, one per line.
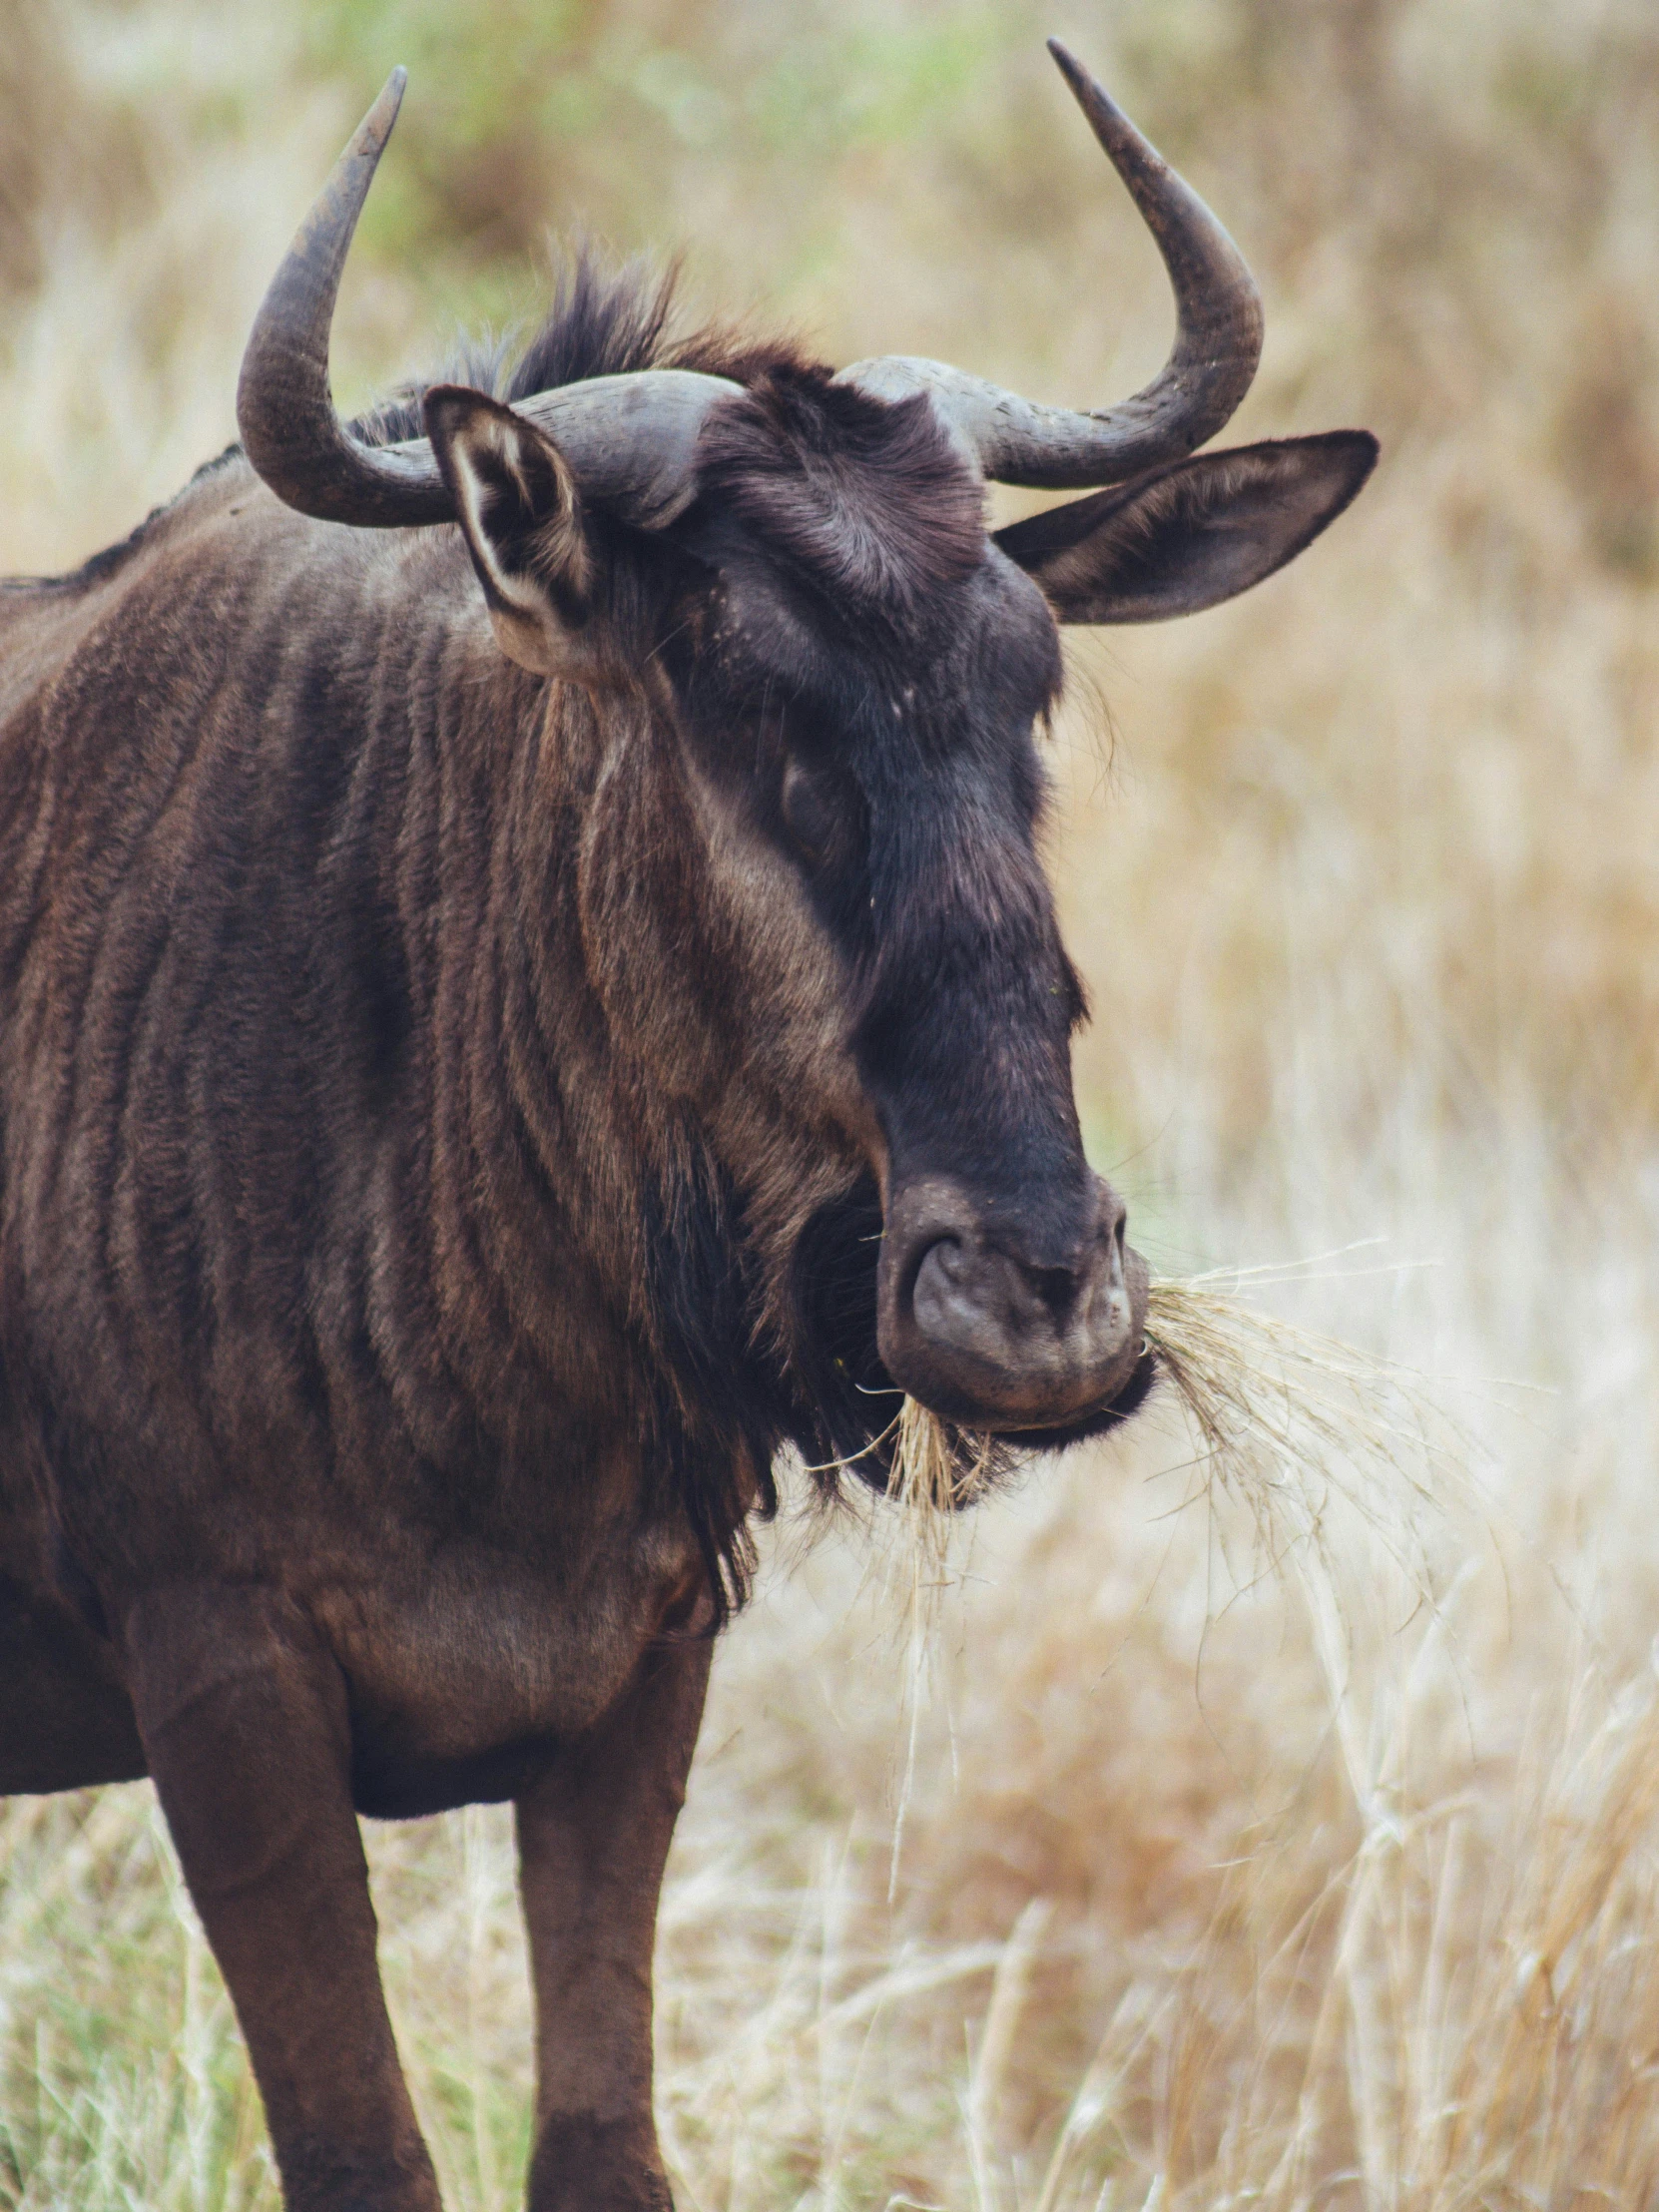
column 811, row 810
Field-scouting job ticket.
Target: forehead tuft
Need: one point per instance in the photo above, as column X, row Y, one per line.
column 864, row 502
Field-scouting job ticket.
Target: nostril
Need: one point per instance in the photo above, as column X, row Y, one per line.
column 948, row 1255
column 948, row 1299
column 1115, row 1213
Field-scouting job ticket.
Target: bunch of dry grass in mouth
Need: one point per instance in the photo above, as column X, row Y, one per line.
column 1288, row 1421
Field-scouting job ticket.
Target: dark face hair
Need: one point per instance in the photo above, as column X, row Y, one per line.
column 868, row 671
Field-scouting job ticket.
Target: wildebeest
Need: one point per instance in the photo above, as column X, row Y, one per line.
column 527, row 991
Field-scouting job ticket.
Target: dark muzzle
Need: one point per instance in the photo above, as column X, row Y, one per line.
column 996, row 1325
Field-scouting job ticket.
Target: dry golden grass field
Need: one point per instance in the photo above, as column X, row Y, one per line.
column 1295, row 1849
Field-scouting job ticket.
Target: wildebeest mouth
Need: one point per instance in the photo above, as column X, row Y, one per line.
column 1129, row 1399
column 848, row 1417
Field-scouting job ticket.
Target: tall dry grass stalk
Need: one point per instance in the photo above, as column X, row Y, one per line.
column 925, row 1488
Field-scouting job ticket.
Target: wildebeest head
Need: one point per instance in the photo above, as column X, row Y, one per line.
column 820, row 683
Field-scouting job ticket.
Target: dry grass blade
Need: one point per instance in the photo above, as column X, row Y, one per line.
column 935, row 1471
column 1293, row 1423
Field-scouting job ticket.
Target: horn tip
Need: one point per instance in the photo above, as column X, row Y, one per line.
column 1091, row 96
column 1071, row 68
column 375, row 127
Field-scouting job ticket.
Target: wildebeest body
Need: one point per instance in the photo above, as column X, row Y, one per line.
column 527, row 989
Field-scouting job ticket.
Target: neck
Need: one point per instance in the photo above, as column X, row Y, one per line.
column 601, row 1243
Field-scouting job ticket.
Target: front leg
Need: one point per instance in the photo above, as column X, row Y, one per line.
column 244, row 1719
column 593, row 1838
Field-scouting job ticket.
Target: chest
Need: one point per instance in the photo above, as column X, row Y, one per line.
column 465, row 1671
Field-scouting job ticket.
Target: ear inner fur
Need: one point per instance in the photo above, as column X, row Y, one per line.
column 520, row 513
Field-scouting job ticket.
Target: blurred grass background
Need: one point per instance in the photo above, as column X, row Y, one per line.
column 1223, row 1881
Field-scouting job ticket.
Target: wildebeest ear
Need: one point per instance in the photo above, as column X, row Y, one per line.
column 521, row 514
column 1190, row 535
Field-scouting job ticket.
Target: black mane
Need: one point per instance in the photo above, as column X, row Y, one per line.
column 605, row 320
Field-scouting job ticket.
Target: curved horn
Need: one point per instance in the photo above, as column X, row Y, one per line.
column 1218, row 342
column 629, row 440
column 285, row 408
